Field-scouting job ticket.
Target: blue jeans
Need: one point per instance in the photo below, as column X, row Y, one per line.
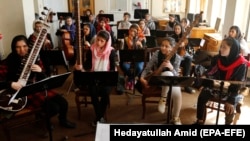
column 129, row 68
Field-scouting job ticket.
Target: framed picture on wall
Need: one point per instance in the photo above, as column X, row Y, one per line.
column 83, row 5
column 174, row 6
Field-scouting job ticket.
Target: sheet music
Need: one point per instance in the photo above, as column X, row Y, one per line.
column 102, row 132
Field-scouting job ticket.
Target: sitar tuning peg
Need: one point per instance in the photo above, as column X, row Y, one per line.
column 43, row 13
column 45, row 8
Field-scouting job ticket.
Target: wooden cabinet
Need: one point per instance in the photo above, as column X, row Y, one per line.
column 212, row 42
column 83, row 5
column 198, row 32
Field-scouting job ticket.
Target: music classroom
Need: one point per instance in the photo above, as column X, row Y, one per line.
column 104, row 70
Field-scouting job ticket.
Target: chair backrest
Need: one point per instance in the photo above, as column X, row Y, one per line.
column 246, row 74
column 148, row 54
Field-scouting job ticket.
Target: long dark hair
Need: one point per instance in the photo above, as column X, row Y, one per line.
column 17, row 39
column 162, row 57
column 239, row 35
column 175, row 36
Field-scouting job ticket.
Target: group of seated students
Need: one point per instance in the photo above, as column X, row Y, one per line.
column 135, row 39
column 101, row 56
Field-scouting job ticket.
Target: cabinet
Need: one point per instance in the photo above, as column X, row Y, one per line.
column 83, row 5
column 198, row 32
column 212, row 42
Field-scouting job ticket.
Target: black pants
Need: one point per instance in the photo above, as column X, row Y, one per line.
column 100, row 105
column 186, row 64
column 203, row 98
column 56, row 105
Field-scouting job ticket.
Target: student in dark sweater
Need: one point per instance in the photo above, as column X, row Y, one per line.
column 229, row 65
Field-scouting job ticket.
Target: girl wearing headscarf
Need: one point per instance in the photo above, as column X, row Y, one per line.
column 160, row 66
column 100, row 57
column 229, row 65
column 89, row 35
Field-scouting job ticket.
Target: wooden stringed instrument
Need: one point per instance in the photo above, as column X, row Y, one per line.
column 79, row 50
column 182, row 39
column 66, row 43
column 8, row 100
column 182, row 50
column 78, row 34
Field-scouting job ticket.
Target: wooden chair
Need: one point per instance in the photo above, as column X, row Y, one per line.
column 149, row 95
column 23, row 117
column 216, row 104
column 82, row 97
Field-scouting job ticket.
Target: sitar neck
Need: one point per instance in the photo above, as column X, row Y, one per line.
column 33, row 55
column 78, row 33
column 184, row 36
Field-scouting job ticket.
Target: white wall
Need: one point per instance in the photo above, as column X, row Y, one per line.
column 17, row 17
column 12, row 22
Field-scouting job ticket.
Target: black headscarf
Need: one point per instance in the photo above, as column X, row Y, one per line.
column 234, row 51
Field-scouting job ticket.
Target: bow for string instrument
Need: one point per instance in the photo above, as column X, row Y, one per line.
column 182, row 39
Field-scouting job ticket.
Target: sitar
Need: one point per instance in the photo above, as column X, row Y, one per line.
column 182, row 39
column 8, row 100
column 78, row 34
column 78, row 43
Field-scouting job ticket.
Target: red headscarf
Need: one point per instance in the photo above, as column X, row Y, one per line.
column 229, row 69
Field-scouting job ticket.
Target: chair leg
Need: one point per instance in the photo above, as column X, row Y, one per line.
column 6, row 132
column 143, row 106
column 78, row 105
column 236, row 118
column 204, row 115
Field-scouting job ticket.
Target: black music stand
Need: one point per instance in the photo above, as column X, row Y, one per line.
column 84, row 19
column 171, row 81
column 151, row 42
column 140, row 13
column 54, row 58
column 97, row 78
column 44, row 85
column 121, row 33
column 210, row 83
column 110, row 17
column 132, row 56
column 63, row 15
column 164, row 33
column 48, row 83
